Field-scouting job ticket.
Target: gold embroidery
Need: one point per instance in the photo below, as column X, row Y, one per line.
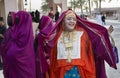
column 67, row 39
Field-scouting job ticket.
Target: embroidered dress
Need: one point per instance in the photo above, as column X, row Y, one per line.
column 97, row 34
column 66, row 45
column 84, row 61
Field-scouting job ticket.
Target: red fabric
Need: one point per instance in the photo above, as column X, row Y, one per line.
column 85, row 64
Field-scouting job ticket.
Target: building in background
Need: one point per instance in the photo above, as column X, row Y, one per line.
column 60, row 5
column 10, row 5
column 110, row 13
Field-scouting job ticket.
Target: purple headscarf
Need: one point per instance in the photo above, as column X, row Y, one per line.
column 20, row 57
column 100, row 42
column 43, row 50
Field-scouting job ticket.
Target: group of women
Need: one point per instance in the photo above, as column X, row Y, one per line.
column 70, row 48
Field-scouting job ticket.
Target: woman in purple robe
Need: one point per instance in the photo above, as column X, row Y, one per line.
column 6, row 40
column 42, row 48
column 19, row 58
column 98, row 34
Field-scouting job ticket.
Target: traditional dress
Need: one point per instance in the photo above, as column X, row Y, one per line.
column 43, row 49
column 19, row 57
column 101, row 46
column 6, row 41
column 82, row 59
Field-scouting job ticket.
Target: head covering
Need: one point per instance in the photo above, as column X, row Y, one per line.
column 43, row 23
column 41, row 60
column 72, row 13
column 100, row 42
column 20, row 57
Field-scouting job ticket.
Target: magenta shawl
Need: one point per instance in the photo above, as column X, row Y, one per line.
column 5, row 45
column 43, row 50
column 102, row 47
column 100, row 41
column 20, row 57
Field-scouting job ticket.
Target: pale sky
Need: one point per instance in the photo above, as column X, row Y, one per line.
column 35, row 4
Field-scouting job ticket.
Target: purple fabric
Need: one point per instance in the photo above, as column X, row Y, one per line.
column 100, row 41
column 42, row 48
column 101, row 46
column 4, row 48
column 115, row 50
column 20, row 57
column 5, row 45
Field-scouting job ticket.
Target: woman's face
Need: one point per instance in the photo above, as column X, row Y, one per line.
column 69, row 22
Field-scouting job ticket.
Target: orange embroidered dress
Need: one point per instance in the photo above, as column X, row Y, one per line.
column 84, row 61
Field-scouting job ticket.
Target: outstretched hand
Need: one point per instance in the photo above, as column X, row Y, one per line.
column 110, row 29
